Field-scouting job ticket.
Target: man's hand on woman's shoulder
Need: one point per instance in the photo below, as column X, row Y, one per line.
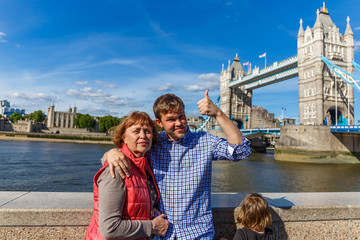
column 117, row 160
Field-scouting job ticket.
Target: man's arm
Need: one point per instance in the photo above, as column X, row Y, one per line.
column 207, row 107
column 117, row 160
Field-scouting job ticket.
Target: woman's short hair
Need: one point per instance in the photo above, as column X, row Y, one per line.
column 254, row 212
column 167, row 103
column 135, row 117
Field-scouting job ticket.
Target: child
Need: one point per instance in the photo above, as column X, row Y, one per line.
column 255, row 217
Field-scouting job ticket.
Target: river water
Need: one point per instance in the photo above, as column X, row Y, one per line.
column 70, row 167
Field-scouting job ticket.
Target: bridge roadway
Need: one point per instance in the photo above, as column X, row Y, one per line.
column 276, row 131
column 277, row 72
column 346, row 129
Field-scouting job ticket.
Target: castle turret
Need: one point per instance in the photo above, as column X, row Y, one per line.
column 235, row 102
column 300, row 36
column 349, row 42
column 51, row 115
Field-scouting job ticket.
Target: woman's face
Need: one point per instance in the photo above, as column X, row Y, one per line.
column 138, row 138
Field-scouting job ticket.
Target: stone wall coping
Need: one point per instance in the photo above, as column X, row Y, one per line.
column 76, row 200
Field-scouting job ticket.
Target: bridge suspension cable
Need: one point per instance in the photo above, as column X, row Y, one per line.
column 357, row 66
column 202, row 126
column 346, row 76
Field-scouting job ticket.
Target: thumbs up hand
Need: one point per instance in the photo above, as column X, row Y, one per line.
column 206, row 106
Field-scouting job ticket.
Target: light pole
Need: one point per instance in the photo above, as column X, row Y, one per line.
column 282, row 114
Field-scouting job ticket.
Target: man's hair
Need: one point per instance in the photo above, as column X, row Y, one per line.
column 134, row 118
column 254, row 212
column 167, row 103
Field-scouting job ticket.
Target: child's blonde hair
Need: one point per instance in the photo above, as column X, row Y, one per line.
column 254, row 212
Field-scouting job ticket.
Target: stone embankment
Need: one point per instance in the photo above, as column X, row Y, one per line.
column 64, row 215
column 24, row 137
column 316, row 144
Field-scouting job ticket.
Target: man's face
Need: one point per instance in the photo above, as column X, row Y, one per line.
column 174, row 123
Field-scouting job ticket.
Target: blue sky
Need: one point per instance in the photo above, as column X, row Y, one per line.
column 112, row 57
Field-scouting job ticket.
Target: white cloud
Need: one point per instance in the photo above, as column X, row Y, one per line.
column 1, row 37
column 38, row 97
column 97, row 111
column 104, row 84
column 356, row 28
column 115, row 101
column 101, row 97
column 356, row 45
column 164, row 88
column 209, row 77
column 210, row 81
column 291, row 33
column 156, row 27
column 81, row 82
column 86, row 93
column 127, row 62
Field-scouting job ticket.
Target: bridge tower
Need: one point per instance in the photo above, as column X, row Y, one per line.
column 235, row 102
column 324, row 98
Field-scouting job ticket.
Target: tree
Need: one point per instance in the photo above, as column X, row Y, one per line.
column 107, row 122
column 16, row 117
column 76, row 120
column 84, row 121
column 37, row 116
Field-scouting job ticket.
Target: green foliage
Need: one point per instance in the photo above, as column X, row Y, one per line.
column 37, row 116
column 16, row 117
column 158, row 128
column 84, row 121
column 76, row 120
column 107, row 122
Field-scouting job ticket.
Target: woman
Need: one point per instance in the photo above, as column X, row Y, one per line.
column 123, row 207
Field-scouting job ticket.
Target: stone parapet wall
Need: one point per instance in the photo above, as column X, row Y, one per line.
column 44, row 215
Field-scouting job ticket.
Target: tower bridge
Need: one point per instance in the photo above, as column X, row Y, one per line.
column 324, row 65
column 325, row 96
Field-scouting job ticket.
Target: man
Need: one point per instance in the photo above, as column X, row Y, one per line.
column 182, row 164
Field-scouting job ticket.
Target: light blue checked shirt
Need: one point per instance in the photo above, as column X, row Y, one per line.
column 182, row 171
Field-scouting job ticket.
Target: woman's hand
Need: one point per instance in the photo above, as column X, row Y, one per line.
column 160, row 225
column 117, row 160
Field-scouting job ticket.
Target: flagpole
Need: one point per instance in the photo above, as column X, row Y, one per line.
column 263, row 55
column 265, row 60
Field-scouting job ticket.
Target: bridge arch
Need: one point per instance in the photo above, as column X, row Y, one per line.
column 240, row 124
column 332, row 115
column 192, row 126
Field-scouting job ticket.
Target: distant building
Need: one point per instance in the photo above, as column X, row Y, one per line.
column 261, row 118
column 60, row 119
column 6, row 110
column 288, row 121
column 194, row 121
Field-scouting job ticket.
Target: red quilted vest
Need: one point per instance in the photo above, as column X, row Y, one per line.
column 137, row 205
